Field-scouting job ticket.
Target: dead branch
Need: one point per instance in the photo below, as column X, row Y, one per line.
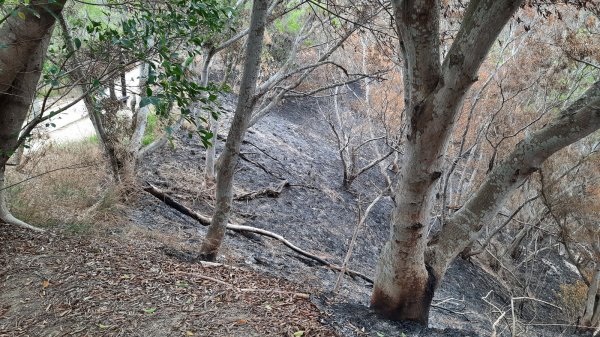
column 260, row 166
column 272, row 192
column 205, row 221
column 361, row 220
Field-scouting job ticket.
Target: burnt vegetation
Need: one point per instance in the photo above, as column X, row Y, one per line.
column 299, row 168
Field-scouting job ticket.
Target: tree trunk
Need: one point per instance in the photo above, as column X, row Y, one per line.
column 590, row 304
column 405, row 280
column 243, row 113
column 21, row 63
column 77, row 76
column 122, row 74
column 464, row 226
column 209, row 167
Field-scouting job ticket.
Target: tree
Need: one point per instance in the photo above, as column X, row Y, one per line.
column 239, row 126
column 573, row 205
column 24, row 38
column 162, row 44
column 279, row 85
column 411, row 265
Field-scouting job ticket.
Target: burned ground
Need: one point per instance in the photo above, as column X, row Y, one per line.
column 137, row 277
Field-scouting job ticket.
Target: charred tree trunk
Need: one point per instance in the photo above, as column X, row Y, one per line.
column 229, row 158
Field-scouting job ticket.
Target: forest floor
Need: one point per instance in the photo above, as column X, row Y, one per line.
column 139, row 276
column 61, row 285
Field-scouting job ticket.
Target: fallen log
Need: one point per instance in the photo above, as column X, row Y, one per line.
column 205, row 221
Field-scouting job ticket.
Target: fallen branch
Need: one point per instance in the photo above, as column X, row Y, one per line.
column 272, row 192
column 205, row 221
column 260, row 166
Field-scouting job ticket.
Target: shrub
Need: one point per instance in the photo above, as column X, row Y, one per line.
column 572, row 299
column 68, row 186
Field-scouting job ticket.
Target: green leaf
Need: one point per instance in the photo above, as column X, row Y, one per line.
column 299, row 333
column 149, row 100
column 149, row 310
column 182, row 284
column 77, row 43
column 21, row 15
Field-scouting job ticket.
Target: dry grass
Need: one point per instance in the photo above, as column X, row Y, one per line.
column 572, row 298
column 66, row 186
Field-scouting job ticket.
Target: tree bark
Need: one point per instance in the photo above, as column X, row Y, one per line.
column 20, row 69
column 229, row 158
column 434, row 92
column 590, row 304
column 209, row 167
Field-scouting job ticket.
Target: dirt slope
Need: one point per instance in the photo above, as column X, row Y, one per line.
column 138, row 278
column 315, row 213
column 56, row 285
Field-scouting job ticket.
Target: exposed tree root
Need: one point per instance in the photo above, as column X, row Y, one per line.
column 5, row 215
column 273, row 192
column 8, row 218
column 205, row 221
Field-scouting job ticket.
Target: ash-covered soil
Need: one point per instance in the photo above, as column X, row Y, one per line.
column 317, row 214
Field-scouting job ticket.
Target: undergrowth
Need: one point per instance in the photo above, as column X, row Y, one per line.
column 572, row 298
column 66, row 186
column 150, row 133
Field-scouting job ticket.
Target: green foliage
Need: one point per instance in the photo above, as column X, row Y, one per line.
column 149, row 311
column 150, row 132
column 291, row 23
column 93, row 139
column 167, row 36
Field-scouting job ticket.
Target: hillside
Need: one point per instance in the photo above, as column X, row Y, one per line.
column 148, row 262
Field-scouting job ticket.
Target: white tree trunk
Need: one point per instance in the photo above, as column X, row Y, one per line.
column 590, row 304
column 434, row 92
column 211, row 152
column 5, row 214
column 141, row 116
